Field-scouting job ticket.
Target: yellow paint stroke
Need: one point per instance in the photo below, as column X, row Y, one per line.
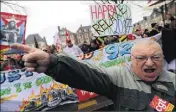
column 8, row 98
column 99, row 56
column 86, row 104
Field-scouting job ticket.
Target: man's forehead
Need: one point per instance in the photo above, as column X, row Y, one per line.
column 145, row 46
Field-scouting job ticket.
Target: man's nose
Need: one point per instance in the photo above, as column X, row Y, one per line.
column 149, row 62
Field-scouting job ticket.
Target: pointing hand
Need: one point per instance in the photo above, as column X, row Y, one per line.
column 35, row 59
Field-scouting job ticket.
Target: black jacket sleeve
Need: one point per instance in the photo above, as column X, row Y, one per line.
column 79, row 75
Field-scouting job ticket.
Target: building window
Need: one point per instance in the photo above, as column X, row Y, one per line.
column 80, row 31
column 86, row 35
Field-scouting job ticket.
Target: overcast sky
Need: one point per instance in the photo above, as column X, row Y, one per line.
column 45, row 16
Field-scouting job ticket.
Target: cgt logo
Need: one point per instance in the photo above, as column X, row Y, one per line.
column 161, row 105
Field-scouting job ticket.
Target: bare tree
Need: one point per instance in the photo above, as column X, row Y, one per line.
column 14, row 6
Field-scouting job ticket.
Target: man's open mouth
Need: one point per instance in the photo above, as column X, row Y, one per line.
column 149, row 70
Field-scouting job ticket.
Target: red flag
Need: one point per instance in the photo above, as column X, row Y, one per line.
column 58, row 42
column 67, row 35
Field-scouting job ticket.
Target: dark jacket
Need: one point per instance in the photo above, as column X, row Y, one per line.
column 153, row 32
column 120, row 84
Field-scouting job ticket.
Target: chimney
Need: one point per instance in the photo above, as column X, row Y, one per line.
column 36, row 43
column 45, row 41
column 58, row 28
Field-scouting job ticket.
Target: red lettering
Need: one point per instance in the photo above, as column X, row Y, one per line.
column 111, row 10
column 93, row 13
column 105, row 9
column 100, row 12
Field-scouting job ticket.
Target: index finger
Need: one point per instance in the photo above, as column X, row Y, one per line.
column 22, row 47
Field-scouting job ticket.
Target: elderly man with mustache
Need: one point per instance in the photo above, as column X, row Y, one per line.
column 141, row 86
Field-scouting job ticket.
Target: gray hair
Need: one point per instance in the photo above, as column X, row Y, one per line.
column 145, row 42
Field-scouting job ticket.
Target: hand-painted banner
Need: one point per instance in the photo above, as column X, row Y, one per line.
column 29, row 91
column 110, row 55
column 110, row 19
column 23, row 90
column 13, row 28
column 85, row 95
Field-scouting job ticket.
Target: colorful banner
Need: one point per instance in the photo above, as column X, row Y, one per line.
column 29, row 91
column 23, row 90
column 13, row 28
column 110, row 55
column 85, row 95
column 110, row 19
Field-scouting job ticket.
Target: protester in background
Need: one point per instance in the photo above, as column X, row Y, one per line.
column 72, row 49
column 146, row 33
column 93, row 45
column 53, row 49
column 154, row 30
column 169, row 19
column 6, row 65
column 137, row 34
column 160, row 28
column 85, row 48
column 106, row 40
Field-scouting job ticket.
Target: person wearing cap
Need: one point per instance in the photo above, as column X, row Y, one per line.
column 72, row 49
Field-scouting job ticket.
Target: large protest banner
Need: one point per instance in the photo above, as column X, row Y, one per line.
column 13, row 27
column 110, row 19
column 29, row 91
column 23, row 90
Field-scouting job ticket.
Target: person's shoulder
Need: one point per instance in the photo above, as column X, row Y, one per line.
column 170, row 76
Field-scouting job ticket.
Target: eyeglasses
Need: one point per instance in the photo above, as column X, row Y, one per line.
column 145, row 58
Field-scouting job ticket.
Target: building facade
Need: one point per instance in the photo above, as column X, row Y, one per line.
column 84, row 34
column 157, row 16
column 62, row 36
column 40, row 41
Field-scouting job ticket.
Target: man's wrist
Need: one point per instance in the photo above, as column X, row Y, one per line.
column 53, row 61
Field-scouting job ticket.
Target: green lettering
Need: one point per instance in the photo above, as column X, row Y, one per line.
column 47, row 79
column 6, row 91
column 17, row 86
column 39, row 81
column 27, row 85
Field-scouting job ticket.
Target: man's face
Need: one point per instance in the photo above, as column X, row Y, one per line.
column 138, row 33
column 12, row 23
column 69, row 44
column 156, row 26
column 146, row 68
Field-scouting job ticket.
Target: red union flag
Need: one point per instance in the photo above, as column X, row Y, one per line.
column 67, row 34
column 85, row 95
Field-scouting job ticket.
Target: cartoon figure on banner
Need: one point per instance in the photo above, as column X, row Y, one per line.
column 11, row 32
column 12, row 28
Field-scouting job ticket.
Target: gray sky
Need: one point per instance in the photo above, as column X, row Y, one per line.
column 45, row 16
